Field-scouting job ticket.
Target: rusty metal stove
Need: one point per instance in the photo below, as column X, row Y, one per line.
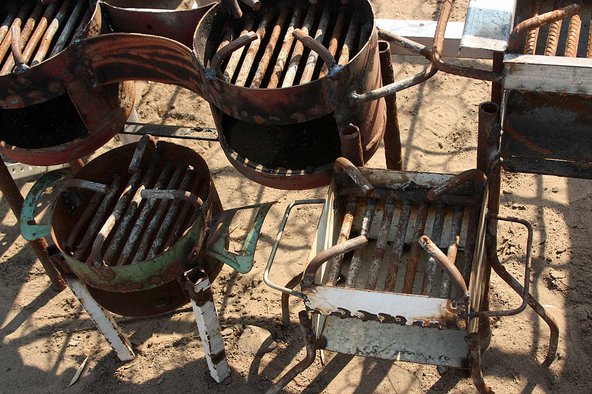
column 49, row 113
column 400, row 265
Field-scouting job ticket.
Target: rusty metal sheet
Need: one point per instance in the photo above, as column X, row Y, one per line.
column 548, row 134
column 393, row 342
column 403, row 309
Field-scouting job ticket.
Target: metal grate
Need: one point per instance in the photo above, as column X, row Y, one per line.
column 126, row 223
column 277, row 59
column 45, row 29
column 393, row 260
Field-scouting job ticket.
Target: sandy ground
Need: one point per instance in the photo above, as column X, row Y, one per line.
column 45, row 336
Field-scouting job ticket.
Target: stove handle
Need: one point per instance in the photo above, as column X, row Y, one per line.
column 396, row 86
column 218, row 238
column 525, row 288
column 276, row 244
column 30, row 230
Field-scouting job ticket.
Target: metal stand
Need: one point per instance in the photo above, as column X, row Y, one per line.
column 13, row 195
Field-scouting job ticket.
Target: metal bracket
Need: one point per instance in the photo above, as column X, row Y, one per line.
column 217, row 241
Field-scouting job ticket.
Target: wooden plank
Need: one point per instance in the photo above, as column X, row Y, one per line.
column 548, row 74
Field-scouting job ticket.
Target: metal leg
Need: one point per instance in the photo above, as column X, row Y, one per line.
column 208, row 326
column 13, row 195
column 102, row 319
column 310, row 342
column 475, row 364
column 286, row 299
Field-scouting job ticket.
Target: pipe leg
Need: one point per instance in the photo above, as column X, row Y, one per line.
column 310, row 343
column 208, row 326
column 102, row 319
column 286, row 299
column 13, row 195
column 534, row 304
column 475, row 364
column 392, row 134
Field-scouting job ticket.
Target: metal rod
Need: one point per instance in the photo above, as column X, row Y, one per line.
column 356, row 261
column 381, row 242
column 247, row 65
column 430, row 267
column 51, row 32
column 142, row 217
column 589, row 47
column 313, row 56
column 171, row 215
column 115, row 216
column 35, row 38
column 554, row 33
column 270, row 48
column 347, row 50
column 392, row 133
column 15, row 47
column 81, row 250
column 399, row 242
column 186, row 211
column 289, row 78
column 157, row 217
column 234, row 60
column 83, row 221
column 66, row 33
column 15, row 200
column 455, row 229
column 327, row 254
column 471, row 242
column 7, row 39
column 343, row 165
column 351, row 144
column 409, row 195
column 280, row 62
column 124, row 223
column 334, row 41
column 533, row 35
column 573, row 36
column 7, row 22
column 448, row 266
column 334, row 266
column 413, row 261
column 310, row 343
column 81, row 29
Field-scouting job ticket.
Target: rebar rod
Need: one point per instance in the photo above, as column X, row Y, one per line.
column 356, row 261
column 381, row 243
column 313, row 56
column 398, row 243
column 68, row 29
column 436, row 235
column 235, row 58
column 50, row 33
column 247, row 65
column 413, row 261
column 282, row 58
column 290, row 76
column 270, row 48
column 455, row 229
column 334, row 266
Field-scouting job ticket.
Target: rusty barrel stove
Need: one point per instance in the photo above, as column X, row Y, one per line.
column 120, row 234
column 284, row 83
column 279, row 81
column 50, row 113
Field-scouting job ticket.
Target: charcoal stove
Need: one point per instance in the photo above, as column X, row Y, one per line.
column 49, row 113
column 400, row 265
column 284, row 112
column 133, row 239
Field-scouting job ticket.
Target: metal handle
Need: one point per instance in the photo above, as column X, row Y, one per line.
column 525, row 293
column 447, row 265
column 227, row 50
column 397, row 86
column 456, row 182
column 29, row 229
column 342, row 164
column 320, row 49
column 15, row 46
column 218, row 239
column 276, row 245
